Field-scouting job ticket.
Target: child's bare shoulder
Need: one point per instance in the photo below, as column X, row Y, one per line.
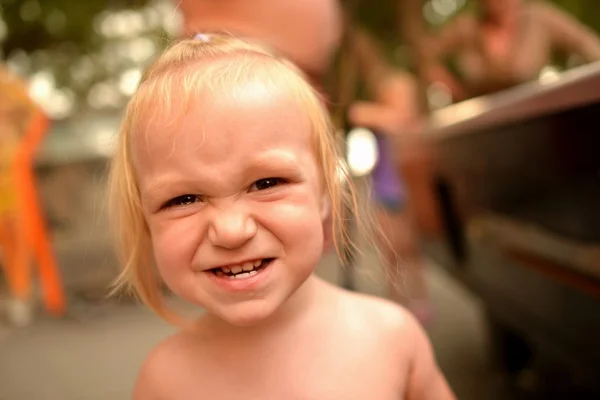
column 382, row 314
column 404, row 337
column 166, row 365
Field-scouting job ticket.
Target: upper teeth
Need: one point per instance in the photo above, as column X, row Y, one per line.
column 236, row 269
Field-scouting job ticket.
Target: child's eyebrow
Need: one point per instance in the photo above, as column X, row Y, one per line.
column 154, row 188
column 279, row 158
column 277, row 164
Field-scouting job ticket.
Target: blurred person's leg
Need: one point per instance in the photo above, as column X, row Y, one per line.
column 16, row 263
column 403, row 262
column 31, row 217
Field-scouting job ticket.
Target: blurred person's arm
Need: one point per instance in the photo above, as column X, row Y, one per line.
column 455, row 36
column 428, row 50
column 567, row 33
column 393, row 92
column 436, row 72
column 372, row 64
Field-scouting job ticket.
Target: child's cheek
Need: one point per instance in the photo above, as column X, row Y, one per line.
column 174, row 243
column 296, row 222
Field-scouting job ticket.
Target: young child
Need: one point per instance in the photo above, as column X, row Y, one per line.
column 225, row 171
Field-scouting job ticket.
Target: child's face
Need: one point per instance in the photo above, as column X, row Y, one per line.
column 232, row 184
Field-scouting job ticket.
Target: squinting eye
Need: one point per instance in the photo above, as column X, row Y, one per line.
column 267, row 183
column 184, row 200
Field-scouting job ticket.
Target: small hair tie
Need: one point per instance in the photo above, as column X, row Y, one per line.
column 203, row 37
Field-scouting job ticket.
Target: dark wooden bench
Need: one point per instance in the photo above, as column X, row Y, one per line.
column 506, row 194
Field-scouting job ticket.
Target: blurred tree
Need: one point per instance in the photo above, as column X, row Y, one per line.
column 81, row 54
column 33, row 25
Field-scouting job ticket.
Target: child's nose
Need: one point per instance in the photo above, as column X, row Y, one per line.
column 231, row 228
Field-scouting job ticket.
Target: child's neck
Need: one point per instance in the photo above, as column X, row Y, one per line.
column 294, row 311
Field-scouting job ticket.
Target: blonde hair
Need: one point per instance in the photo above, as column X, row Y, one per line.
column 198, row 66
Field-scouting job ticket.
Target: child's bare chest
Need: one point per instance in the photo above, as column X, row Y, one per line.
column 320, row 371
column 305, row 382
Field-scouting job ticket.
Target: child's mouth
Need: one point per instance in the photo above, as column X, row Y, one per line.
column 241, row 271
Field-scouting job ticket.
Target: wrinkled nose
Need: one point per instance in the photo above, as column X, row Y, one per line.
column 231, row 229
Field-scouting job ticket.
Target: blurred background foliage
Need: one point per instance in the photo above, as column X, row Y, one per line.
column 82, row 55
column 88, row 54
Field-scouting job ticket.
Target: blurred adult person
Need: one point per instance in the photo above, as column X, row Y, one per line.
column 507, row 43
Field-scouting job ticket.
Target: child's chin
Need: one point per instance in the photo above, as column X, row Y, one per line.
column 247, row 314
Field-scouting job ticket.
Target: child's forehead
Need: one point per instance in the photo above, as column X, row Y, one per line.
column 249, row 112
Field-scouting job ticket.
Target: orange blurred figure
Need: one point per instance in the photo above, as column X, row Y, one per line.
column 23, row 236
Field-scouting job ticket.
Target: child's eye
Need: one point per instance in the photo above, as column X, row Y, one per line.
column 267, row 183
column 184, row 200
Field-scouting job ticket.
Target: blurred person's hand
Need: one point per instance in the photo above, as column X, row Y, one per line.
column 437, row 73
column 394, row 108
